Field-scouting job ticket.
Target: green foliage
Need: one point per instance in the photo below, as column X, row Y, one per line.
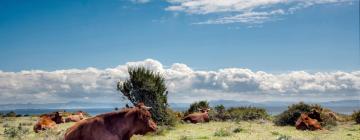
column 149, row 87
column 356, row 116
column 220, row 113
column 247, row 113
column 172, row 117
column 194, row 107
column 238, row 130
column 10, row 114
column 289, row 116
column 16, row 132
column 222, row 133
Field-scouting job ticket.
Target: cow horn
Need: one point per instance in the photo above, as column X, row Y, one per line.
column 147, row 108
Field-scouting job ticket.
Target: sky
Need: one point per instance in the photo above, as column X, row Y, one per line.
column 58, row 51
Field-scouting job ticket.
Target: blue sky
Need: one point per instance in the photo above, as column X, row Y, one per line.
column 50, row 35
column 269, row 50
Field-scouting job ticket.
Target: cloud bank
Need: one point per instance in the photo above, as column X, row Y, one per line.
column 244, row 11
column 184, row 84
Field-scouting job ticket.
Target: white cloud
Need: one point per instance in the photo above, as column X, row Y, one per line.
column 243, row 11
column 184, row 83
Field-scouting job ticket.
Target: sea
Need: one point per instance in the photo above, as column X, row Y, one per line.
column 97, row 111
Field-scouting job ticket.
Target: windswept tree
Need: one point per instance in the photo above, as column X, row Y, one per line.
column 149, row 87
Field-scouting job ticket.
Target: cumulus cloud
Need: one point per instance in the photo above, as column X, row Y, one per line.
column 243, row 11
column 184, row 84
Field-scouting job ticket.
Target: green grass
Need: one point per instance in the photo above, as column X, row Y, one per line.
column 234, row 131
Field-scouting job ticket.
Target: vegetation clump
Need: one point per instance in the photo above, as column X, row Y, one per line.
column 356, row 116
column 247, row 113
column 194, row 107
column 16, row 132
column 148, row 87
column 325, row 116
column 222, row 133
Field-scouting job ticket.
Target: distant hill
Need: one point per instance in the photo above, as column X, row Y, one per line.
column 178, row 106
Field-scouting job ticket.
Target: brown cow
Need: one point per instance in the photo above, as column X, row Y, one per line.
column 55, row 116
column 75, row 118
column 119, row 125
column 202, row 116
column 306, row 123
column 45, row 122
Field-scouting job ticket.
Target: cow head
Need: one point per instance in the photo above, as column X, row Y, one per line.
column 204, row 110
column 144, row 119
column 55, row 116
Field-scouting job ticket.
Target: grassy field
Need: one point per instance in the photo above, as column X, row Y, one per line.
column 256, row 130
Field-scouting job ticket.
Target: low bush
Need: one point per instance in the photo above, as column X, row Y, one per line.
column 194, row 107
column 219, row 113
column 290, row 116
column 247, row 113
column 10, row 114
column 222, row 133
column 238, row 130
column 173, row 117
column 356, row 116
column 16, row 132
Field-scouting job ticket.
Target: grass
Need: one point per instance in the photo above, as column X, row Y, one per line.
column 241, row 130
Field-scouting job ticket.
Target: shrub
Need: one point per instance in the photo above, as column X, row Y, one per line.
column 16, row 132
column 10, row 114
column 238, row 130
column 356, row 116
column 173, row 117
column 293, row 112
column 149, row 87
column 194, row 107
column 247, row 113
column 222, row 133
column 290, row 116
column 220, row 113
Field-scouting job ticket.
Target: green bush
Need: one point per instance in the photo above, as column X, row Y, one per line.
column 16, row 132
column 148, row 87
column 356, row 116
column 238, row 130
column 10, row 114
column 220, row 113
column 247, row 113
column 222, row 133
column 290, row 116
column 194, row 107
column 173, row 117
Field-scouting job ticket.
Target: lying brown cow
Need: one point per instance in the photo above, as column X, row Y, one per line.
column 306, row 123
column 44, row 122
column 198, row 117
column 55, row 116
column 114, row 125
column 75, row 118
